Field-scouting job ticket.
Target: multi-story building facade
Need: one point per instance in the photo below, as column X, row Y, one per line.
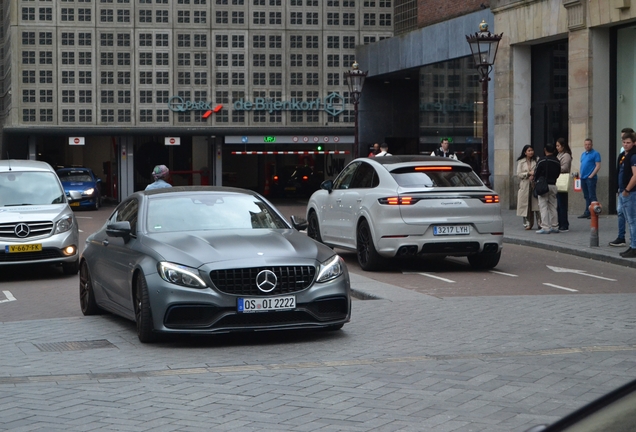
column 219, row 77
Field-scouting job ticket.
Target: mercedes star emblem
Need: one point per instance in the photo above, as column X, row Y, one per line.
column 22, row 230
column 266, row 280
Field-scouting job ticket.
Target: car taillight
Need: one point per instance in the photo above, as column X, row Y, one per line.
column 275, row 178
column 305, row 178
column 433, row 168
column 401, row 200
column 490, row 199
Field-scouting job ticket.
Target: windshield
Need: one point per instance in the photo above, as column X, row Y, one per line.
column 436, row 176
column 210, row 211
column 29, row 188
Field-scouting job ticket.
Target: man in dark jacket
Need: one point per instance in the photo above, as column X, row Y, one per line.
column 550, row 168
column 444, row 150
column 628, row 195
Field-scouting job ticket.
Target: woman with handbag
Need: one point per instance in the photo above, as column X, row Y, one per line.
column 527, row 203
column 564, row 156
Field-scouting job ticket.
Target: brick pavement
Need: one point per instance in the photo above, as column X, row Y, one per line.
column 406, row 362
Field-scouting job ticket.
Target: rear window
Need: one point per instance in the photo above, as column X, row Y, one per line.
column 74, row 176
column 436, row 176
column 29, row 188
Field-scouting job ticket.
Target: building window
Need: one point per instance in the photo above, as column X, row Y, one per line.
column 46, row 77
column 385, row 20
column 275, row 60
column 28, row 57
column 123, row 59
column 68, row 39
column 46, row 115
column 28, row 14
column 333, row 42
column 123, row 39
column 222, row 78
column 162, row 96
column 45, row 38
column 145, row 16
column 46, row 96
column 108, row 116
column 333, row 60
column 145, row 115
column 258, row 18
column 106, row 15
column 84, row 39
column 296, row 18
column 369, row 19
column 258, row 78
column 28, row 38
column 311, row 18
column 349, row 42
column 28, row 96
column 257, row 41
column 145, row 96
column 123, row 78
column 68, row 14
column 107, row 78
column 162, row 116
column 84, row 15
column 162, row 59
column 85, row 58
column 200, row 59
column 200, row 17
column 183, row 17
column 123, row 115
column 275, row 78
column 46, row 14
column 28, row 115
column 85, row 96
column 107, row 96
column 183, row 78
column 68, row 115
column 275, row 18
column 333, row 79
column 312, row 78
column 296, row 60
column 333, row 19
column 161, row 16
column 123, row 96
column 161, row 40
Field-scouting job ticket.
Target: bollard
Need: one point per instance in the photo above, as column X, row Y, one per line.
column 595, row 210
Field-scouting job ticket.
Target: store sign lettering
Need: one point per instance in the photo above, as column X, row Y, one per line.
column 446, row 106
column 333, row 105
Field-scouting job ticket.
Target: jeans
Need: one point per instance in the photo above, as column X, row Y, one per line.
column 562, row 210
column 629, row 208
column 589, row 192
column 621, row 217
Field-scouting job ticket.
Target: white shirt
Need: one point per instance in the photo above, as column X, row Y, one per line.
column 383, row 153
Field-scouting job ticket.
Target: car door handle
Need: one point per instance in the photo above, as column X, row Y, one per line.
column 105, row 243
column 359, row 200
column 338, row 200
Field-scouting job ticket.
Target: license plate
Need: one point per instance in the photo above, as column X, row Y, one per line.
column 451, row 230
column 75, row 204
column 37, row 247
column 266, row 304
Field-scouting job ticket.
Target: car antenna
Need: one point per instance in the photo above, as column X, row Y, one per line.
column 9, row 161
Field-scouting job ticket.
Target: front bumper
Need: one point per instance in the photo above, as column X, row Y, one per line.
column 52, row 250
column 177, row 309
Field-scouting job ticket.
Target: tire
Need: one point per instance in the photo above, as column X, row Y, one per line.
column 71, row 269
column 143, row 314
column 98, row 203
column 313, row 228
column 368, row 256
column 86, row 293
column 484, row 261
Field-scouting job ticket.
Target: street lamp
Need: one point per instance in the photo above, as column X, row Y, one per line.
column 483, row 46
column 355, row 80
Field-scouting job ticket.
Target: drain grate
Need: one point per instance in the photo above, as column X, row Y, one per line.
column 74, row 345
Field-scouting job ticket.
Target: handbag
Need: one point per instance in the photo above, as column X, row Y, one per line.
column 541, row 186
column 564, row 182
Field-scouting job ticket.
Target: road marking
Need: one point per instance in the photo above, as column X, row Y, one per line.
column 581, row 272
column 431, row 276
column 560, row 287
column 504, row 274
column 9, row 297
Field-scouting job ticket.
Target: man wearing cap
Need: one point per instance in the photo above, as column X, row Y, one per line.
column 159, row 173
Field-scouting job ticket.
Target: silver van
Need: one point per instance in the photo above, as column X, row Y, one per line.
column 37, row 226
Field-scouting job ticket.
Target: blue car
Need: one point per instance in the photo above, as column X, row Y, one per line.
column 82, row 180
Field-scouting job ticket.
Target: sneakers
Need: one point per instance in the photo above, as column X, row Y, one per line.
column 584, row 216
column 629, row 253
column 543, row 231
column 618, row 242
column 564, row 229
column 554, row 231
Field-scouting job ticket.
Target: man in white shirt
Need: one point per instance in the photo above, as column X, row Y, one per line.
column 384, row 150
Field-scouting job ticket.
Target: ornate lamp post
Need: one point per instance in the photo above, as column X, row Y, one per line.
column 483, row 46
column 355, row 80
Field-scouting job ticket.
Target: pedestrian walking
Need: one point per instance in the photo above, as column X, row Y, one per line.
column 160, row 174
column 444, row 150
column 564, row 156
column 470, row 158
column 590, row 165
column 550, row 168
column 620, row 238
column 628, row 193
column 527, row 203
column 384, row 150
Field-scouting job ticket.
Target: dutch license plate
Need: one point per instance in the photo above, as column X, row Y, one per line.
column 75, row 204
column 266, row 304
column 36, row 247
column 451, row 230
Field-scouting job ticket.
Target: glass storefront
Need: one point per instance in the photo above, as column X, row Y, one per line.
column 625, row 81
column 450, row 105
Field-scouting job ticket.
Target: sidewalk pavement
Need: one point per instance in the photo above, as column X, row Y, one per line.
column 574, row 242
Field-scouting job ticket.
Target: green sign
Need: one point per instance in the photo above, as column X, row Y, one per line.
column 269, row 139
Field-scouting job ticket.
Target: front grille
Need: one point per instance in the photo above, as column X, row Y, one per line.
column 329, row 309
column 31, row 256
column 450, row 247
column 290, row 279
column 187, row 316
column 37, row 228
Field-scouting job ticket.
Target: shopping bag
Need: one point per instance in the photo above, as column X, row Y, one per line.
column 564, row 182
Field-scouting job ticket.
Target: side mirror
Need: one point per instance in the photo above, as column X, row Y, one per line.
column 327, row 185
column 119, row 229
column 299, row 224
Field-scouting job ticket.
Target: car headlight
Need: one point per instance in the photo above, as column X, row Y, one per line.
column 180, row 275
column 64, row 224
column 89, row 192
column 330, row 269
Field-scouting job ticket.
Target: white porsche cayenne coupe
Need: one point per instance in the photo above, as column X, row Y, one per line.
column 400, row 206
